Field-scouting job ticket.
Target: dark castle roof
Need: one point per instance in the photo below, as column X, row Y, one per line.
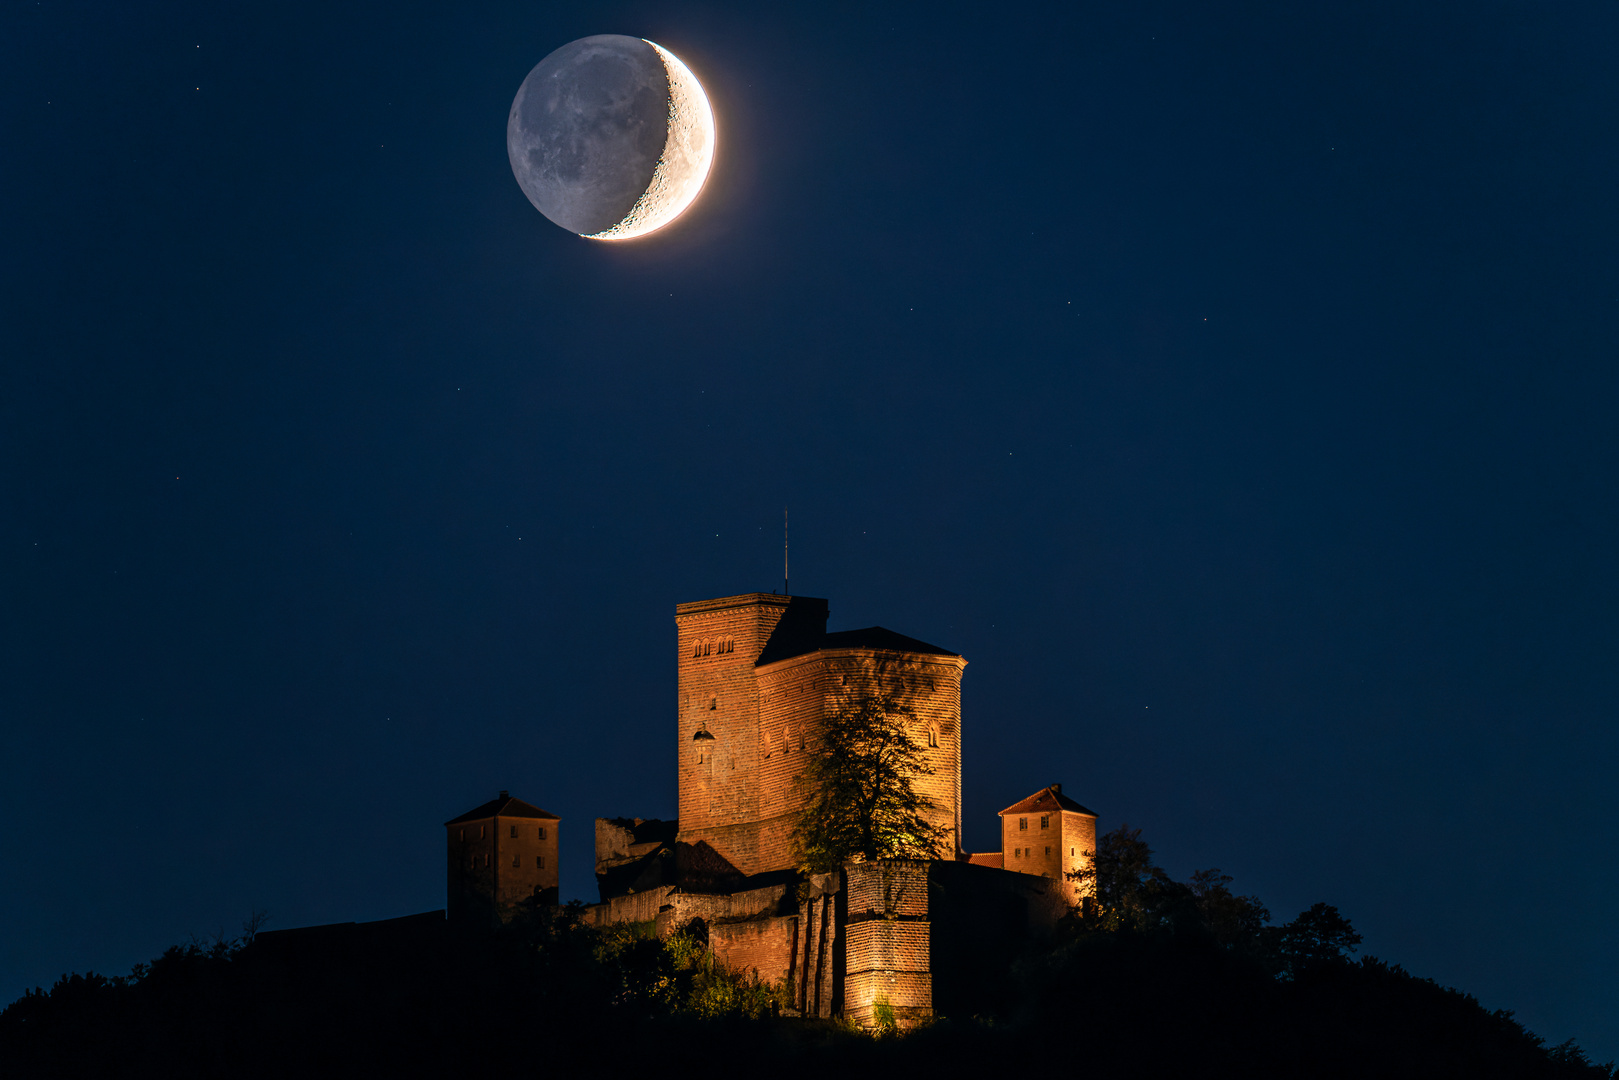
column 878, row 637
column 504, row 806
column 1045, row 801
column 803, row 636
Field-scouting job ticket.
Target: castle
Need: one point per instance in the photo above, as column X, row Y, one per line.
column 759, row 677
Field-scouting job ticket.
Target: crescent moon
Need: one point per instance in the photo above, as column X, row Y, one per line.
column 688, row 154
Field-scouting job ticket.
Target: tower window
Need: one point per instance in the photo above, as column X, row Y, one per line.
column 517, row 861
column 1070, row 853
column 1048, row 849
column 539, row 862
column 486, row 858
column 481, row 828
column 1017, row 853
column 713, row 704
column 542, row 832
column 1022, row 823
column 514, row 832
column 933, row 734
column 1045, row 821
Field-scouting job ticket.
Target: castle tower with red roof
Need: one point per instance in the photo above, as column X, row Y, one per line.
column 1051, row 835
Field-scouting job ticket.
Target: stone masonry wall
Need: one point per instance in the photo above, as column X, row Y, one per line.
column 680, row 908
column 797, row 696
column 634, row 908
column 718, row 643
column 1078, row 837
column 892, row 888
column 495, row 863
column 888, row 942
column 1049, row 845
column 818, row 958
column 1032, row 843
column 888, row 964
column 932, row 690
column 746, row 722
column 761, row 946
column 790, row 699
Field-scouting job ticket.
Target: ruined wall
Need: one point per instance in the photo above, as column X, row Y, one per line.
column 763, row 947
column 633, row 855
column 680, row 908
column 818, row 970
column 634, row 908
column 753, row 930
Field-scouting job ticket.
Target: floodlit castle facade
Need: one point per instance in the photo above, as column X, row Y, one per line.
column 759, row 676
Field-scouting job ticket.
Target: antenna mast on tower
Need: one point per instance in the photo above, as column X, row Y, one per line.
column 785, row 577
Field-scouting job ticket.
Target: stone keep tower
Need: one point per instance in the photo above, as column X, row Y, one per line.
column 500, row 855
column 758, row 676
column 720, row 642
column 1048, row 834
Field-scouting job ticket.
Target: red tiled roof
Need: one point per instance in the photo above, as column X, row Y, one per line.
column 504, row 806
column 989, row 858
column 1045, row 801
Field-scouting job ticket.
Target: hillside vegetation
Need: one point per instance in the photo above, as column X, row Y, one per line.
column 1155, row 978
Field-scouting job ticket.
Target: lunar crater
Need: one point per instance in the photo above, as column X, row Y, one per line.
column 610, row 137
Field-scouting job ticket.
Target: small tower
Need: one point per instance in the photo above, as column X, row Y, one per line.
column 502, row 854
column 1051, row 835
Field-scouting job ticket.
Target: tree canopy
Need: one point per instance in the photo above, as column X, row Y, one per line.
column 1128, row 892
column 862, row 774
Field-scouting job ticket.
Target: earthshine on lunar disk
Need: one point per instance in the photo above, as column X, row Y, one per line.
column 610, row 137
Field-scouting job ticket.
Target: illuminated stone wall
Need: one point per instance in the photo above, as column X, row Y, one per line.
column 748, row 721
column 1048, row 841
column 930, row 686
column 937, row 936
column 1031, row 843
column 762, row 947
column 797, row 695
column 717, row 736
column 1078, row 837
column 888, row 943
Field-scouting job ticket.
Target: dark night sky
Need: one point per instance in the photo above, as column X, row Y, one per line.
column 1236, row 390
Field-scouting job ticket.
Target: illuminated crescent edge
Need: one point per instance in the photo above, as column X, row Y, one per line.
column 688, row 153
